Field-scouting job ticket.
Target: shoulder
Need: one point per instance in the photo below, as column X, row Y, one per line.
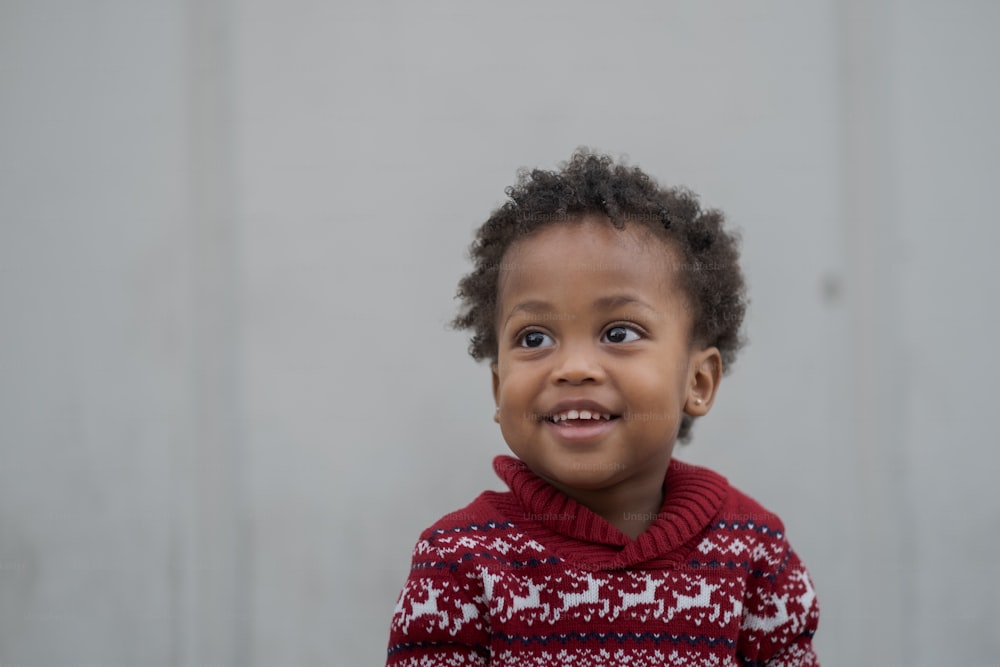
column 734, row 509
column 780, row 610
column 482, row 514
column 740, row 510
column 482, row 531
column 743, row 534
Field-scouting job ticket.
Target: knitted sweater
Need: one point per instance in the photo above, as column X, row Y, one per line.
column 531, row 577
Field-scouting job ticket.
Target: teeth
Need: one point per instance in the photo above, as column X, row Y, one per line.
column 579, row 414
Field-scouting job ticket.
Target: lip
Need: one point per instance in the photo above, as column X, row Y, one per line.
column 580, row 430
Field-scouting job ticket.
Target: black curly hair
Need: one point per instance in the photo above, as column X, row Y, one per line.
column 591, row 183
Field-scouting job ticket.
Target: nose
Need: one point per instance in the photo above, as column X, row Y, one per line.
column 578, row 364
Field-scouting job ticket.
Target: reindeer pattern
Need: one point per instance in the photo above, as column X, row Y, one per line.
column 653, row 598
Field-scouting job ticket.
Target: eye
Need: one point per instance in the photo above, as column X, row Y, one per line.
column 620, row 334
column 535, row 339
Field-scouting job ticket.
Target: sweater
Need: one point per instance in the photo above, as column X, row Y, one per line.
column 531, row 577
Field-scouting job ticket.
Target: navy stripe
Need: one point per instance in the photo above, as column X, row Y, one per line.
column 453, row 565
column 762, row 528
column 755, row 573
column 481, row 649
column 750, row 662
column 472, row 527
column 602, row 638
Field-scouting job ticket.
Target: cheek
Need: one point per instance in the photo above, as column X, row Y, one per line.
column 650, row 375
column 651, row 384
column 511, row 389
column 517, row 398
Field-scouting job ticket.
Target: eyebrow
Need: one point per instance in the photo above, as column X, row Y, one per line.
column 604, row 303
column 530, row 307
column 620, row 300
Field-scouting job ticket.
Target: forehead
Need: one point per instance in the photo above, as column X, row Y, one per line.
column 589, row 254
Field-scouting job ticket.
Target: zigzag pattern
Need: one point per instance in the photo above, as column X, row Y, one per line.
column 753, row 550
column 601, row 657
column 656, row 638
column 730, row 591
column 449, row 552
column 512, row 542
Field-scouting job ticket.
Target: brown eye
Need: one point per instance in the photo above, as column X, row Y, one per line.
column 620, row 335
column 535, row 339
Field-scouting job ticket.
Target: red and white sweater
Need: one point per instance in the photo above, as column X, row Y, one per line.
column 531, row 577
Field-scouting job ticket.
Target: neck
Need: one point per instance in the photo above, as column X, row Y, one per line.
column 630, row 506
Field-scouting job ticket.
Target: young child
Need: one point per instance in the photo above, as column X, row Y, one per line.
column 609, row 308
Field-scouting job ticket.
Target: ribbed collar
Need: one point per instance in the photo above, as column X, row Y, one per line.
column 692, row 497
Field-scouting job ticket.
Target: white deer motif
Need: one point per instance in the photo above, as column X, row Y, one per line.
column 427, row 608
column 529, row 601
column 805, row 600
column 647, row 596
column 518, row 602
column 590, row 596
column 769, row 623
column 469, row 613
column 701, row 599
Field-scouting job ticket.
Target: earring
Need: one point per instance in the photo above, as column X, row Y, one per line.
column 496, row 415
column 697, row 401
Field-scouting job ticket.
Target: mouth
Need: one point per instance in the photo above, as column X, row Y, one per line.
column 578, row 417
column 580, row 422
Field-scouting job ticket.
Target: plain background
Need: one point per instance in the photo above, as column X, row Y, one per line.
column 230, row 236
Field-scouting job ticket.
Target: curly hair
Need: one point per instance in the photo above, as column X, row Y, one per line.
column 591, row 183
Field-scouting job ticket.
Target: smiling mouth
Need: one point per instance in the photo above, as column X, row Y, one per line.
column 574, row 417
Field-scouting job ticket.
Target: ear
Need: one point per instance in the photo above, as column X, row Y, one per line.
column 495, row 374
column 705, row 374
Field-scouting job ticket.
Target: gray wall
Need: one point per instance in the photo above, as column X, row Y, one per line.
column 230, row 232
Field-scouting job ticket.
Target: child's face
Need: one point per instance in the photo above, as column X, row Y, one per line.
column 590, row 319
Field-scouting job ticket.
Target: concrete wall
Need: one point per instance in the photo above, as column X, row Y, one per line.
column 231, row 230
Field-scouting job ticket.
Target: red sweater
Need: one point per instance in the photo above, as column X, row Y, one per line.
column 531, row 577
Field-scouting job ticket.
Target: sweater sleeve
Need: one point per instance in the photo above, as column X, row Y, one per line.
column 441, row 617
column 780, row 614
